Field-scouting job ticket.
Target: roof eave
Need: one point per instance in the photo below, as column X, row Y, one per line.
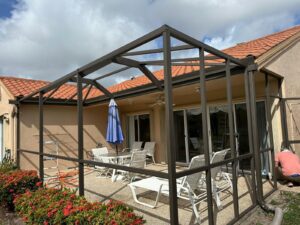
column 268, row 57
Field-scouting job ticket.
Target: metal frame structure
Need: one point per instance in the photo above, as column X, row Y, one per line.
column 213, row 64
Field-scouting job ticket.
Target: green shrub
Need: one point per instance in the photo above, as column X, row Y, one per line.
column 16, row 182
column 52, row 206
column 7, row 166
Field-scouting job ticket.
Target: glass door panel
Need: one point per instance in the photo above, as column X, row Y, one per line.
column 263, row 136
column 138, row 128
column 194, row 128
column 242, row 134
column 242, row 141
column 180, row 137
column 144, row 128
column 219, row 125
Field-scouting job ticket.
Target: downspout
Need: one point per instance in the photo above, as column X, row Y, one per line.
column 278, row 214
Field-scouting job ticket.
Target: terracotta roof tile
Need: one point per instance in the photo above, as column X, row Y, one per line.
column 21, row 87
column 257, row 47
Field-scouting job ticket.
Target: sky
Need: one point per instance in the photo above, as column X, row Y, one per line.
column 47, row 39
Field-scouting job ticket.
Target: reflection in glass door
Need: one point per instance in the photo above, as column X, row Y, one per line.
column 180, row 136
column 219, row 125
column 195, row 136
column 219, row 128
column 188, row 134
column 242, row 138
column 138, row 128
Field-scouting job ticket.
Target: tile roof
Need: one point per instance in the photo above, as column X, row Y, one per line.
column 257, row 47
column 261, row 45
column 22, row 87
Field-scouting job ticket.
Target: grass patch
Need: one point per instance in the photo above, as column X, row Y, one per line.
column 292, row 211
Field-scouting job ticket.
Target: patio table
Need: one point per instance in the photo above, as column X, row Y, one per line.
column 122, row 158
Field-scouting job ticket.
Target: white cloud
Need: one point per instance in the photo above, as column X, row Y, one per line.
column 47, row 39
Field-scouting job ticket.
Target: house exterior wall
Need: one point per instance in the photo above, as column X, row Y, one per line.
column 7, row 112
column 287, row 65
column 60, row 122
column 189, row 97
column 60, row 126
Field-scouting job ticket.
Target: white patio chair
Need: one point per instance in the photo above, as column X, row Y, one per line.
column 188, row 188
column 185, row 186
column 215, row 172
column 136, row 146
column 138, row 160
column 97, row 152
column 150, row 148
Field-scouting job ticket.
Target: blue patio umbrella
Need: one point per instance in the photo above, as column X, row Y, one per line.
column 114, row 132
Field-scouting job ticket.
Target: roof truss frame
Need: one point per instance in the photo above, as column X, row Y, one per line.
column 119, row 56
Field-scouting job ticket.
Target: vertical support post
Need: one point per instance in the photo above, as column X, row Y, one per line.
column 18, row 136
column 41, row 136
column 283, row 115
column 270, row 127
column 170, row 128
column 205, row 136
column 232, row 142
column 250, row 136
column 256, row 148
column 80, row 134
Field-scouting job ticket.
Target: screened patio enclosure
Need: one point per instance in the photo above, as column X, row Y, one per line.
column 251, row 152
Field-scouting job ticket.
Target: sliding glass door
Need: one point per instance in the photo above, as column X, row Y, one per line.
column 242, row 137
column 188, row 134
column 180, row 136
column 219, row 132
column 242, row 140
column 219, row 128
column 189, row 139
column 138, row 128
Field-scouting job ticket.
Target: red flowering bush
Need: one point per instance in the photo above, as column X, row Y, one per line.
column 16, row 182
column 52, row 206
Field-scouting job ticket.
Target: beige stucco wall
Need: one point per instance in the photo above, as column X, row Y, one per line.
column 7, row 111
column 288, row 66
column 60, row 125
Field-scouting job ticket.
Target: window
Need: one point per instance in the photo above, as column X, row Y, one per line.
column 138, row 128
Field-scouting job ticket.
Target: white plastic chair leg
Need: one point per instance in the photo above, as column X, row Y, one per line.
column 216, row 195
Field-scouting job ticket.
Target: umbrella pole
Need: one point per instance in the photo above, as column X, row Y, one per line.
column 117, row 153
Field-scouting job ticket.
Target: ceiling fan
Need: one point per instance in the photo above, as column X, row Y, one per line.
column 160, row 100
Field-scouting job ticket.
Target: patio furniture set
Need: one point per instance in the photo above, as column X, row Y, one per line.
column 191, row 188
column 133, row 157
